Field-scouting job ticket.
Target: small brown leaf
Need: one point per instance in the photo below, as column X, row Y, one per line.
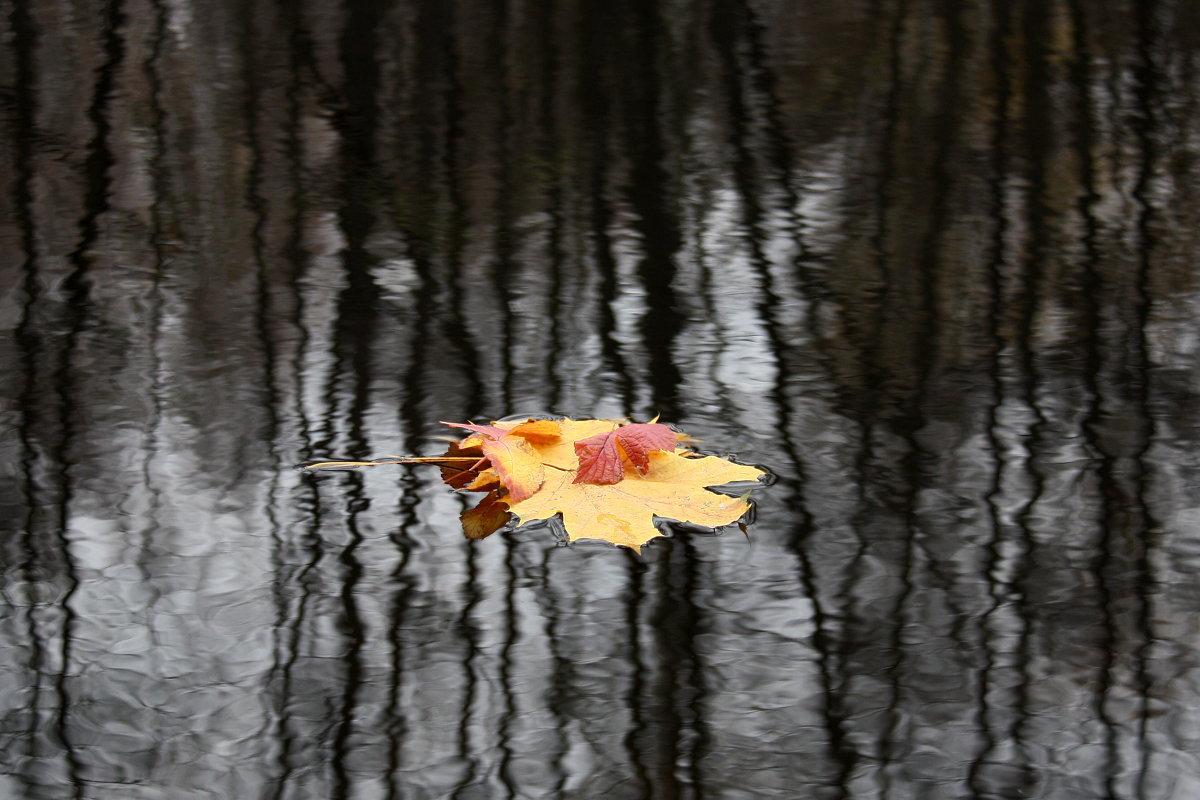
column 490, row 515
column 460, row 476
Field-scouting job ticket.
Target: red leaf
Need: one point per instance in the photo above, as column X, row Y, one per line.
column 600, row 458
column 638, row 440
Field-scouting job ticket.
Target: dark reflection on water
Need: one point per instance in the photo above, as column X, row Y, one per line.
column 932, row 262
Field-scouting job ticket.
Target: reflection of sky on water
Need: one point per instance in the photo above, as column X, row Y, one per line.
column 934, row 271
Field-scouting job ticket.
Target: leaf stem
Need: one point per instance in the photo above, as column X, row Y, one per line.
column 449, row 461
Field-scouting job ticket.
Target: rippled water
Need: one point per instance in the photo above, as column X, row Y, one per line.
column 933, row 263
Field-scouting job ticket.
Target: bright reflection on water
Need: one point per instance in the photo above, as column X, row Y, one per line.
column 933, row 263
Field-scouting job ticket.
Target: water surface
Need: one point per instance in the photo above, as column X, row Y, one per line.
column 931, row 262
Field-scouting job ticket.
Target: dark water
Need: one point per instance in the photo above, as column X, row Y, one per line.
column 933, row 262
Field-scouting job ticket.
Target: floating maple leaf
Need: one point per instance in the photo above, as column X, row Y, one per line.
column 599, row 494
column 608, row 479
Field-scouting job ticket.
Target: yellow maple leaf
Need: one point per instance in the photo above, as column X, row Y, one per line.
column 672, row 487
column 623, row 513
